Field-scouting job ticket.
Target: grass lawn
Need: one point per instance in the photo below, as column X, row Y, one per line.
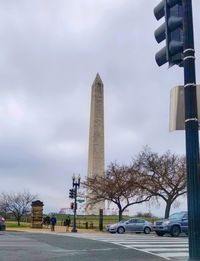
column 14, row 224
column 82, row 221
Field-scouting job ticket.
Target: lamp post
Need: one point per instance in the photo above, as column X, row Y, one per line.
column 75, row 184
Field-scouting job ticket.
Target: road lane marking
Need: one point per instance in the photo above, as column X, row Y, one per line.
column 165, row 247
column 172, row 255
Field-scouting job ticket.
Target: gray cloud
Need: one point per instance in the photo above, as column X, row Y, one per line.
column 50, row 54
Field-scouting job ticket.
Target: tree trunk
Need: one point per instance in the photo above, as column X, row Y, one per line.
column 18, row 222
column 120, row 214
column 167, row 209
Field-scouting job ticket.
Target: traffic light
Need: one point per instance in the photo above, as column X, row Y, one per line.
column 171, row 30
column 72, row 205
column 71, row 193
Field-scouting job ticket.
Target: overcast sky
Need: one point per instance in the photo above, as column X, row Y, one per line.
column 50, row 52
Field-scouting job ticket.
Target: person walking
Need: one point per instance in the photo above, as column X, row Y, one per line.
column 53, row 223
column 47, row 221
column 67, row 223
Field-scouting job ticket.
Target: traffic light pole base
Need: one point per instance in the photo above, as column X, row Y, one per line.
column 74, row 230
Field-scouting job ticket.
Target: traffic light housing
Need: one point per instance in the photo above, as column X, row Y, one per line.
column 71, row 193
column 72, row 205
column 171, row 31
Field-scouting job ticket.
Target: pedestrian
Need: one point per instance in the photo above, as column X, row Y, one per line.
column 53, row 223
column 67, row 223
column 44, row 221
column 47, row 221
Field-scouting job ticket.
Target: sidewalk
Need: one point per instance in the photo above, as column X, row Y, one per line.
column 58, row 229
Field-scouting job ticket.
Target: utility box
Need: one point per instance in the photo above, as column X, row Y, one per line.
column 177, row 107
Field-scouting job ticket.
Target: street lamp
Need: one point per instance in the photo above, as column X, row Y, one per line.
column 75, row 184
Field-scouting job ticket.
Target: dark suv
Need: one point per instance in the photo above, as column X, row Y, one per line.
column 174, row 225
column 2, row 224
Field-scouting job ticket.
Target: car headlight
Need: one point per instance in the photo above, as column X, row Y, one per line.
column 114, row 226
column 165, row 223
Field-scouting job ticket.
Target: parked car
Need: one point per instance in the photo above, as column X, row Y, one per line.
column 174, row 225
column 137, row 225
column 107, row 227
column 2, row 224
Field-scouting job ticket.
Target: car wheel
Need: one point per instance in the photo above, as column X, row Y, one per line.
column 147, row 230
column 120, row 230
column 175, row 231
column 160, row 233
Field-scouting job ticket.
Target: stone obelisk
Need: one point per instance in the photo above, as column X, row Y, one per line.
column 96, row 138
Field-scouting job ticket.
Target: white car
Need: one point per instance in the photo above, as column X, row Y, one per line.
column 136, row 225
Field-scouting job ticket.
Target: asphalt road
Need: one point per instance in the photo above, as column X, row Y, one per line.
column 19, row 246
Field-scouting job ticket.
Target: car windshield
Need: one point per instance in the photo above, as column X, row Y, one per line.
column 177, row 215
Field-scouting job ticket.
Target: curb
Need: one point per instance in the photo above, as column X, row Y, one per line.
column 58, row 230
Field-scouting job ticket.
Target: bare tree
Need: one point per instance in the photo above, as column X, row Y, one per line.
column 16, row 203
column 116, row 186
column 163, row 176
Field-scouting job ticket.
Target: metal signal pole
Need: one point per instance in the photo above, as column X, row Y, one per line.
column 76, row 184
column 191, row 132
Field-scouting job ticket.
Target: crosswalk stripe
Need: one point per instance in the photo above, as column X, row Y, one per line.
column 144, row 241
column 171, row 255
column 165, row 247
column 143, row 245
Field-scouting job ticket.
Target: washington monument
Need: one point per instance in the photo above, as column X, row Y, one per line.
column 96, row 138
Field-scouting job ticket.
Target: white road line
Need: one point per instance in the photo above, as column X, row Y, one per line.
column 165, row 247
column 185, row 249
column 171, row 255
column 143, row 245
column 141, row 242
